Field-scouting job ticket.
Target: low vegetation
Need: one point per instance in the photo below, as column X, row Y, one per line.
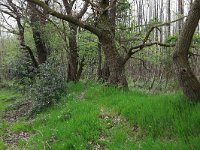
column 93, row 116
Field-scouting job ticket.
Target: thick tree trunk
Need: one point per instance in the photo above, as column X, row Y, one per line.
column 114, row 61
column 186, row 78
column 37, row 22
column 105, row 73
column 73, row 55
column 40, row 46
column 107, row 39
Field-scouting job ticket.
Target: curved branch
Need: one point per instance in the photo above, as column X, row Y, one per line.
column 67, row 18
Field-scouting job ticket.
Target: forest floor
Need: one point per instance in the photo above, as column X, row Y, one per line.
column 93, row 116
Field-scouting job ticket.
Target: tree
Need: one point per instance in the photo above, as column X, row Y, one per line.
column 181, row 13
column 104, row 31
column 186, row 78
column 74, row 68
column 38, row 21
column 102, row 27
column 13, row 11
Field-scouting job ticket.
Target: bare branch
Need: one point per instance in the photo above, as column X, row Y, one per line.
column 83, row 10
column 112, row 4
column 143, row 62
column 141, row 46
column 68, row 18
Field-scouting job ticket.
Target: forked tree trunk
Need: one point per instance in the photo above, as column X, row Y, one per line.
column 113, row 59
column 187, row 80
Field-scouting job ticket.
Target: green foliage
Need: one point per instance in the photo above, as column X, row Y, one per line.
column 54, row 40
column 123, row 6
column 48, row 87
column 171, row 39
column 24, row 72
column 8, row 52
column 87, row 46
column 196, row 39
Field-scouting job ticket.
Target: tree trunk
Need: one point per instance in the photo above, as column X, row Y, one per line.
column 114, row 61
column 99, row 71
column 186, row 78
column 37, row 21
column 181, row 13
column 107, row 39
column 72, row 55
column 169, row 17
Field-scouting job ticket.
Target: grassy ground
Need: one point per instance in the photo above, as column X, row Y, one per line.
column 93, row 116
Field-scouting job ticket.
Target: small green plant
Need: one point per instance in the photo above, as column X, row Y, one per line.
column 48, row 87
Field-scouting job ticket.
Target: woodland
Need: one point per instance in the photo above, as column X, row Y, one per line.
column 99, row 74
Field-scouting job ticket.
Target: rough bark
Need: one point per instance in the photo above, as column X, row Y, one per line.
column 180, row 12
column 72, row 55
column 74, row 67
column 37, row 22
column 112, row 56
column 169, row 17
column 187, row 80
column 115, row 62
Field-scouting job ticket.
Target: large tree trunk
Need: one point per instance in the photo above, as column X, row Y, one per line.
column 37, row 22
column 114, row 61
column 186, row 78
column 107, row 39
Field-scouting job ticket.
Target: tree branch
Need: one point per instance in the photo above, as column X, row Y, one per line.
column 68, row 18
column 141, row 46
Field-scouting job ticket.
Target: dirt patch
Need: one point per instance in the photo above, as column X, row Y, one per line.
column 95, row 146
column 13, row 138
column 80, row 96
column 17, row 111
column 112, row 117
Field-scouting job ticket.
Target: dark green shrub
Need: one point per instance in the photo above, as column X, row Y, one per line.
column 48, row 87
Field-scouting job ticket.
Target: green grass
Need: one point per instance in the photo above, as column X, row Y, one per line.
column 6, row 99
column 94, row 116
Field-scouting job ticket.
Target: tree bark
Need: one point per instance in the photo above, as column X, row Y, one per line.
column 180, row 12
column 37, row 21
column 74, row 67
column 107, row 40
column 187, row 80
column 114, row 61
column 73, row 55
